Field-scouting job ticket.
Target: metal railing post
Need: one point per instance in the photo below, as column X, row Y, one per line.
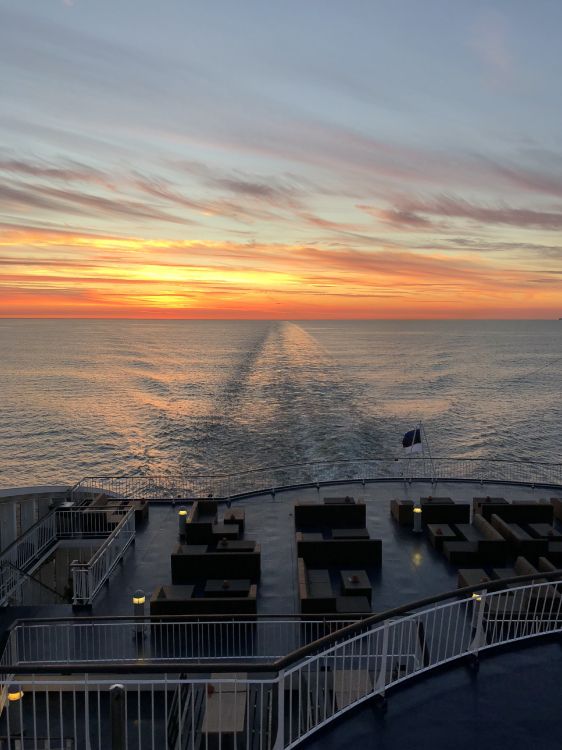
column 280, row 739
column 117, row 717
column 380, row 685
column 477, row 622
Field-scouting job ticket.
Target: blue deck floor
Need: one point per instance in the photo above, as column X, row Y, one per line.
column 512, row 703
column 411, row 568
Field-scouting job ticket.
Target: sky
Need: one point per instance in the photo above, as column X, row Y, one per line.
column 304, row 159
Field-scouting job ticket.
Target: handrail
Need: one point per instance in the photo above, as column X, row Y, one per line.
column 337, row 637
column 272, row 478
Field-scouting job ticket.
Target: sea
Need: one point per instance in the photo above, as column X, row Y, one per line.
column 182, row 397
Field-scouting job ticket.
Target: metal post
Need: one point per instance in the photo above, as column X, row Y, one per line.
column 280, row 739
column 182, row 518
column 15, row 694
column 117, row 716
column 139, row 600
column 477, row 621
column 417, row 519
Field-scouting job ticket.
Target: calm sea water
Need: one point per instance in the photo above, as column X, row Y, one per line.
column 109, row 397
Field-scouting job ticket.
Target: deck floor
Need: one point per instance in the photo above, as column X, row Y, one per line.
column 411, row 568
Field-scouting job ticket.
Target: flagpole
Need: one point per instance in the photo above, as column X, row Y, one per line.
column 424, row 433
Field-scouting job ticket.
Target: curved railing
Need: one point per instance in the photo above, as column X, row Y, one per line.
column 267, row 479
column 278, row 705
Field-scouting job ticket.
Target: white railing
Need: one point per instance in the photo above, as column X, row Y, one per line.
column 89, row 577
column 128, row 640
column 21, row 557
column 370, row 470
column 275, row 706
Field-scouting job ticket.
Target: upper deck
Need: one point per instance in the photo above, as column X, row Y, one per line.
column 343, row 672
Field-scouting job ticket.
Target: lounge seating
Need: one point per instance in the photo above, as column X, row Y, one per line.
column 402, row 511
column 523, row 567
column 444, row 510
column 556, row 503
column 200, row 521
column 235, row 516
column 435, row 510
column 489, row 543
column 520, row 541
column 341, row 515
column 462, row 553
column 472, row 577
column 364, row 552
column 527, row 512
column 439, row 533
column 179, row 600
column 315, row 590
column 188, row 562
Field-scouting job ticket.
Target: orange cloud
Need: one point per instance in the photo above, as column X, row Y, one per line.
column 49, row 273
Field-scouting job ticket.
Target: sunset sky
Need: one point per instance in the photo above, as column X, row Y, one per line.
column 298, row 159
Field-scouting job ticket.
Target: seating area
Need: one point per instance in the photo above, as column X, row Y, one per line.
column 503, row 539
column 214, row 569
column 434, row 510
column 335, row 557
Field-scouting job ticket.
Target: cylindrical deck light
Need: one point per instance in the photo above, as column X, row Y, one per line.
column 182, row 518
column 15, row 694
column 139, row 600
column 417, row 518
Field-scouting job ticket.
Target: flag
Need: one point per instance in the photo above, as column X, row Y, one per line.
column 411, row 442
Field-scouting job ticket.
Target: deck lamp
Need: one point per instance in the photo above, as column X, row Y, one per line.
column 417, row 518
column 15, row 693
column 476, row 597
column 15, row 716
column 182, row 518
column 139, row 597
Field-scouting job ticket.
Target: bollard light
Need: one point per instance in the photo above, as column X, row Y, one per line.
column 139, row 599
column 417, row 519
column 15, row 693
column 182, row 518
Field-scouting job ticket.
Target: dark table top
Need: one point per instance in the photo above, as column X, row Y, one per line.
column 236, row 545
column 362, row 581
column 312, row 536
column 436, row 500
column 350, row 534
column 446, row 531
column 234, row 587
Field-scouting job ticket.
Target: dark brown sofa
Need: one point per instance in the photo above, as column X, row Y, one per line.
column 341, row 515
column 179, row 600
column 191, row 564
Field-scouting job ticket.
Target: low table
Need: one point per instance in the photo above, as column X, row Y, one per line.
column 235, row 517
column 236, row 545
column 235, row 587
column 439, row 533
column 350, row 534
column 226, row 531
column 360, row 587
column 311, row 536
